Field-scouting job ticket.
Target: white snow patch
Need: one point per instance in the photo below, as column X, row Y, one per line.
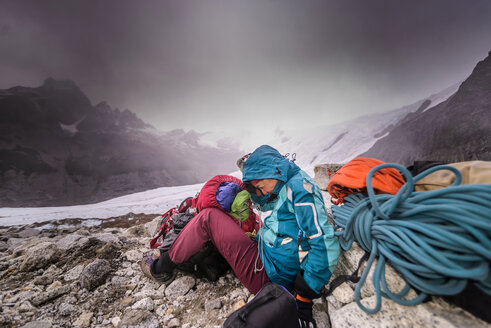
column 155, row 201
column 71, row 128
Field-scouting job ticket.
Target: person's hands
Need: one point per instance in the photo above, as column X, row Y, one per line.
column 251, row 235
column 305, row 318
column 304, row 296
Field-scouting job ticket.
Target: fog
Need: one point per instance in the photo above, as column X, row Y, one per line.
column 252, row 66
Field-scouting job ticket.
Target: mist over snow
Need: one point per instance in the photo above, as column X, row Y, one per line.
column 342, row 142
column 326, row 143
column 337, row 143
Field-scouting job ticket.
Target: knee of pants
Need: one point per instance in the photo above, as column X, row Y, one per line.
column 210, row 213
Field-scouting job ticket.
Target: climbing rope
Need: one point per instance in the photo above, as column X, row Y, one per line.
column 438, row 240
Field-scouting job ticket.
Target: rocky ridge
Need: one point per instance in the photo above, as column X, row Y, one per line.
column 454, row 131
column 72, row 276
column 56, row 149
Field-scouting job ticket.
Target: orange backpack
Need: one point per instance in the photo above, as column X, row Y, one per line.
column 351, row 178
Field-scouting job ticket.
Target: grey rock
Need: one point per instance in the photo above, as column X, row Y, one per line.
column 133, row 255
column 347, row 264
column 14, row 242
column 107, row 238
column 237, row 295
column 174, row 323
column 116, row 321
column 179, row 287
column 74, row 273
column 95, row 274
column 66, row 309
column 431, row 314
column 71, row 241
column 321, row 318
column 135, row 231
column 344, row 294
column 118, row 281
column 151, row 227
column 48, row 276
column 84, row 319
column 144, row 304
column 39, row 256
column 28, row 232
column 3, row 246
column 213, row 304
column 83, row 232
column 323, row 174
column 42, row 298
column 334, row 304
column 20, row 297
column 38, row 324
column 139, row 319
column 26, row 306
column 43, row 280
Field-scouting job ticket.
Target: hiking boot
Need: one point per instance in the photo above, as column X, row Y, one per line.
column 147, row 263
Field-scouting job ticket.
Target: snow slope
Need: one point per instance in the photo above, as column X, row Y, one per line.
column 342, row 142
column 153, row 201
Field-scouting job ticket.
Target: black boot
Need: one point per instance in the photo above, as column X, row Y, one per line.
column 160, row 269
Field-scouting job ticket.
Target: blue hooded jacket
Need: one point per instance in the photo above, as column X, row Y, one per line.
column 296, row 235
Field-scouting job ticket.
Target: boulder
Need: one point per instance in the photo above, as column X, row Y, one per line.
column 71, row 241
column 39, row 256
column 179, row 287
column 107, row 238
column 323, row 174
column 212, row 304
column 436, row 313
column 84, row 319
column 151, row 227
column 74, row 273
column 42, row 298
column 3, row 246
column 66, row 309
column 139, row 318
column 144, row 304
column 133, row 255
column 38, row 324
column 95, row 274
column 28, row 232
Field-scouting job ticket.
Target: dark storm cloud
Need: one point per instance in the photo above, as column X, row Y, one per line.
column 201, row 64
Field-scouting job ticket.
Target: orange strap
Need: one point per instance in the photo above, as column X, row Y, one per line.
column 303, row 299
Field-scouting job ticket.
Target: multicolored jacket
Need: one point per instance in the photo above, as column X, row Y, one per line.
column 296, row 235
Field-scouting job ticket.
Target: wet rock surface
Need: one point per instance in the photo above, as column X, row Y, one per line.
column 90, row 277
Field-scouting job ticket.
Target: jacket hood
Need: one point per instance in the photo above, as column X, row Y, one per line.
column 267, row 163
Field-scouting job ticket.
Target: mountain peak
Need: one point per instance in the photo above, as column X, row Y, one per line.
column 103, row 106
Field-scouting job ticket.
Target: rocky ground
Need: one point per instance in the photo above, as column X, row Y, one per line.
column 90, row 277
column 68, row 275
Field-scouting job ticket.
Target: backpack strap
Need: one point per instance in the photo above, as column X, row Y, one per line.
column 339, row 280
column 165, row 226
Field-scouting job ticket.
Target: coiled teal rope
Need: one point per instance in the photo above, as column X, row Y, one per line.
column 438, row 240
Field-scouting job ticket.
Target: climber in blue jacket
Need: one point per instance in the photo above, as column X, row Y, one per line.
column 296, row 247
column 297, row 244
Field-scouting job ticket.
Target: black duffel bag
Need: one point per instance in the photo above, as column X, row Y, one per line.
column 273, row 306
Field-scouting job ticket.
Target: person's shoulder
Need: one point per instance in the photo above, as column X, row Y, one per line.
column 301, row 183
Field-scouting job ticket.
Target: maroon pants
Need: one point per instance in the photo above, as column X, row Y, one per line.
column 235, row 246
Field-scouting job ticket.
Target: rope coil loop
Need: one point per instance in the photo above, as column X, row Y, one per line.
column 437, row 240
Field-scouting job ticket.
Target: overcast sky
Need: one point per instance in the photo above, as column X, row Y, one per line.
column 258, row 64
